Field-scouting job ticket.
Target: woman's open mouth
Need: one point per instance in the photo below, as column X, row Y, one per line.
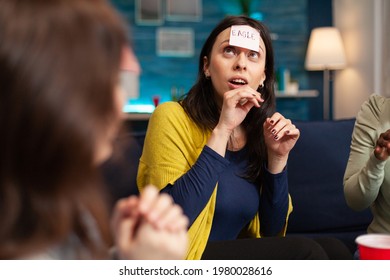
column 237, row 82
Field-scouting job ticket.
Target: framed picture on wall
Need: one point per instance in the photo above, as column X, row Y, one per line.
column 184, row 10
column 148, row 12
column 177, row 42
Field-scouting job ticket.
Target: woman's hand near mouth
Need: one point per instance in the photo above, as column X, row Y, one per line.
column 235, row 106
column 241, row 94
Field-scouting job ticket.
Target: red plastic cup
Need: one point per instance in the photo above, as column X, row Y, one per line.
column 374, row 246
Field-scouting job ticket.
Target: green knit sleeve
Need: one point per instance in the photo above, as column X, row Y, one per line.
column 364, row 172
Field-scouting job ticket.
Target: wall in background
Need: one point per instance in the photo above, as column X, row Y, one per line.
column 386, row 50
column 361, row 31
column 319, row 14
column 289, row 20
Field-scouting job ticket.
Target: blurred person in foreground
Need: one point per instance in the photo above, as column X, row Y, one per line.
column 60, row 111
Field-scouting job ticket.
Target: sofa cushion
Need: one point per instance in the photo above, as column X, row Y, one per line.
column 315, row 172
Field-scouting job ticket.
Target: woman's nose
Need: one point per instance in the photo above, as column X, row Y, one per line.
column 240, row 62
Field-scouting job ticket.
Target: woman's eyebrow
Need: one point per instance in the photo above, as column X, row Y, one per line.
column 224, row 42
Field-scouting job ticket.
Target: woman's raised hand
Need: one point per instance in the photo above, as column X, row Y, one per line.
column 382, row 148
column 280, row 136
column 236, row 105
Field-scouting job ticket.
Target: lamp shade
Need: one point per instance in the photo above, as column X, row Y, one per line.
column 325, row 50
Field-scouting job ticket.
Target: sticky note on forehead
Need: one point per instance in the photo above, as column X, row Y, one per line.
column 245, row 36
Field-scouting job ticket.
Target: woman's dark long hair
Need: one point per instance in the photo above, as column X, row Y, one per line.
column 201, row 106
column 59, row 65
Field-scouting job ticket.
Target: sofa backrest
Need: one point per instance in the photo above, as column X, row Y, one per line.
column 316, row 169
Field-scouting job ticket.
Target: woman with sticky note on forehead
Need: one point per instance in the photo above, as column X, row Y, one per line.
column 221, row 151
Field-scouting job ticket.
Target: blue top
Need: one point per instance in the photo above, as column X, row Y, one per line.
column 238, row 200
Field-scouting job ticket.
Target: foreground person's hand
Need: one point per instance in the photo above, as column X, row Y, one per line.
column 150, row 227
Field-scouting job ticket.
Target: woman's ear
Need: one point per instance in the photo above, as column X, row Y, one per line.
column 263, row 78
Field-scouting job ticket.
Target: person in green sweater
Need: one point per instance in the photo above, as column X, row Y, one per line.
column 367, row 175
column 221, row 152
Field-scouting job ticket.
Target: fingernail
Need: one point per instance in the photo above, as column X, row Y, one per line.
column 276, row 137
column 273, row 131
column 271, row 121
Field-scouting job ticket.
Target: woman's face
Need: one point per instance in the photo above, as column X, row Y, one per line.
column 231, row 67
column 129, row 63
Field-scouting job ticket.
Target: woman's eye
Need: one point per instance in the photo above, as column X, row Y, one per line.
column 229, row 51
column 253, row 55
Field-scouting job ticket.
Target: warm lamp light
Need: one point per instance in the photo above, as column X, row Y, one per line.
column 325, row 52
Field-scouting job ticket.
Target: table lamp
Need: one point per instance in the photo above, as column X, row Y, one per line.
column 325, row 52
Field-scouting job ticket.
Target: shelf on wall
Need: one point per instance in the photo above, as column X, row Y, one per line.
column 300, row 94
column 136, row 114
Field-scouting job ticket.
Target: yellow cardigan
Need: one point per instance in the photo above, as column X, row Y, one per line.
column 172, row 145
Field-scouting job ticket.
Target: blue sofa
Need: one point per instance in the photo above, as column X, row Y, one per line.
column 315, row 173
